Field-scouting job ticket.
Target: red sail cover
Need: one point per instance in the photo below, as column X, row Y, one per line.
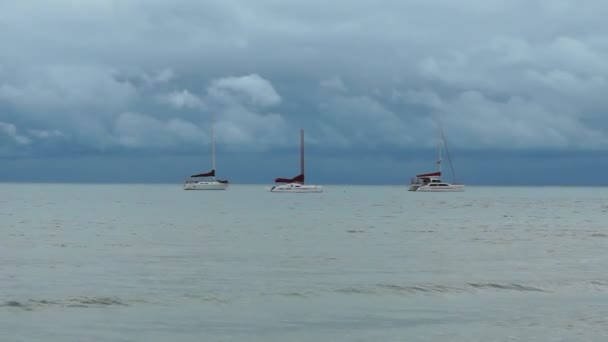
column 297, row 179
column 208, row 174
column 432, row 174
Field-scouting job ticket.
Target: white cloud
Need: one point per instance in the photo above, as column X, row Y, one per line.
column 244, row 128
column 565, row 82
column 183, row 99
column 165, row 75
column 252, row 89
column 239, row 105
column 477, row 122
column 66, row 87
column 43, row 134
column 10, row 130
column 138, row 131
column 243, row 116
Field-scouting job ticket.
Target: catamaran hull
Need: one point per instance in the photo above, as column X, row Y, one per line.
column 414, row 187
column 425, row 188
column 205, row 186
column 293, row 188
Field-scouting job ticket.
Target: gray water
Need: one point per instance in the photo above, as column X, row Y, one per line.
column 355, row 263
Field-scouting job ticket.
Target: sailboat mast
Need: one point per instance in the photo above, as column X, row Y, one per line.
column 440, row 140
column 301, row 151
column 213, row 141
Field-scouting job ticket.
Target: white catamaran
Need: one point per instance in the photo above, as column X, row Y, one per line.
column 296, row 184
column 207, row 181
column 431, row 182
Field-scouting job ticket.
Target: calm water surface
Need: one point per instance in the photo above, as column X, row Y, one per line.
column 356, row 263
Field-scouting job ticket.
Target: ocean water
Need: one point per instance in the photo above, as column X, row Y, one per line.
column 355, row 263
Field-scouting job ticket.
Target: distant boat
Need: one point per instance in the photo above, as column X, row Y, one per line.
column 207, row 180
column 431, row 182
column 296, row 184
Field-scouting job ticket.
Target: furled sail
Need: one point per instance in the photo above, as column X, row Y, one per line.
column 432, row 174
column 208, row 174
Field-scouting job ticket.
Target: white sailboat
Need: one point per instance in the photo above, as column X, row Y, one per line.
column 296, row 184
column 207, row 180
column 431, row 182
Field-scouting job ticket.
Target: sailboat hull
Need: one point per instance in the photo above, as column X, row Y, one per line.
column 445, row 188
column 296, row 188
column 198, row 185
column 296, row 184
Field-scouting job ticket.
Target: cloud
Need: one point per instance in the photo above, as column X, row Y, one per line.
column 138, row 131
column 10, row 131
column 43, row 134
column 237, row 106
column 247, row 129
column 163, row 76
column 65, row 87
column 251, row 89
column 365, row 121
column 245, row 119
column 99, row 75
column 183, row 99
column 333, row 84
column 515, row 123
column 420, row 97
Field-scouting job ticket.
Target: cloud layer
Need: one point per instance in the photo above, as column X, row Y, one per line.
column 128, row 76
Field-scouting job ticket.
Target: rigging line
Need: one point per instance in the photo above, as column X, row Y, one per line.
column 447, row 151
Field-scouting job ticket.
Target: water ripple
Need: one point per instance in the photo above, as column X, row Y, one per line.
column 432, row 289
column 82, row 302
column 509, row 287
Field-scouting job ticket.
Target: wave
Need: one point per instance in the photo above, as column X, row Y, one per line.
column 101, row 301
column 81, row 302
column 419, row 288
column 425, row 289
column 509, row 287
column 15, row 304
column 432, row 289
column 355, row 290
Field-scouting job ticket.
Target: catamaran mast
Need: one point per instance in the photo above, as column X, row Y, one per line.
column 439, row 141
column 302, row 151
column 213, row 141
column 447, row 150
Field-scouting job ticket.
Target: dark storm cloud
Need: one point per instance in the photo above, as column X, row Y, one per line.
column 146, row 75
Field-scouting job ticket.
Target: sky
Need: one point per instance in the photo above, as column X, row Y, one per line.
column 126, row 91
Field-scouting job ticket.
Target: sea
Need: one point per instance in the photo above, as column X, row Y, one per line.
column 93, row 262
